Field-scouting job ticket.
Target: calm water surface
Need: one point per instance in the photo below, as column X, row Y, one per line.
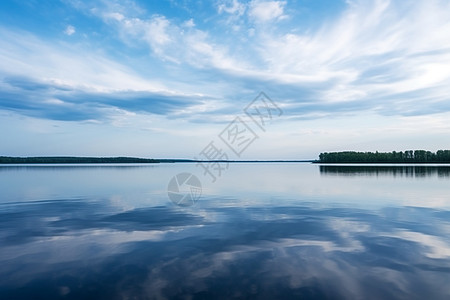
column 261, row 231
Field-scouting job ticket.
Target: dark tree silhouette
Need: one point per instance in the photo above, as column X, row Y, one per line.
column 409, row 156
column 73, row 160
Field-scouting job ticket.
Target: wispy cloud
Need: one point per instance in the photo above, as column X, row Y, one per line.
column 264, row 11
column 172, row 42
column 375, row 51
column 59, row 102
column 69, row 30
column 233, row 7
column 55, row 82
column 385, row 56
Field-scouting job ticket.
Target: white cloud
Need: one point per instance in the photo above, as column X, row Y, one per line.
column 373, row 54
column 375, row 51
column 69, row 30
column 176, row 43
column 189, row 23
column 264, row 11
column 25, row 55
column 233, row 7
column 115, row 15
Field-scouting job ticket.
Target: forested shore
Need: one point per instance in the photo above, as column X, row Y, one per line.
column 409, row 156
column 73, row 160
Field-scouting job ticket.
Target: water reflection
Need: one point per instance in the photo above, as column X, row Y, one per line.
column 295, row 246
column 84, row 249
column 387, row 170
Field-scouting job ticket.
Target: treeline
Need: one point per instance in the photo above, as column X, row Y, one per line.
column 74, row 160
column 409, row 156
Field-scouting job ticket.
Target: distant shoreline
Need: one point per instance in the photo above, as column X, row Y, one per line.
column 394, row 157
column 123, row 160
column 343, row 158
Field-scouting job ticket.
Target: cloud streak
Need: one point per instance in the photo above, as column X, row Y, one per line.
column 52, row 101
column 384, row 56
column 202, row 65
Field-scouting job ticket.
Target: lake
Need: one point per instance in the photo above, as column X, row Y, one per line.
column 260, row 231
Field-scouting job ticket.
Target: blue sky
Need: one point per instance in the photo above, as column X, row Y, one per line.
column 164, row 78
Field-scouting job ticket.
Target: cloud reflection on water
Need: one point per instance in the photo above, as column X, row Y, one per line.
column 81, row 248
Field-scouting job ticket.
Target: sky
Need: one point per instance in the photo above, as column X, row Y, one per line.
column 164, row 79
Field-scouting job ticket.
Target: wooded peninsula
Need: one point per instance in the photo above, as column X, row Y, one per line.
column 409, row 156
column 78, row 160
column 120, row 160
